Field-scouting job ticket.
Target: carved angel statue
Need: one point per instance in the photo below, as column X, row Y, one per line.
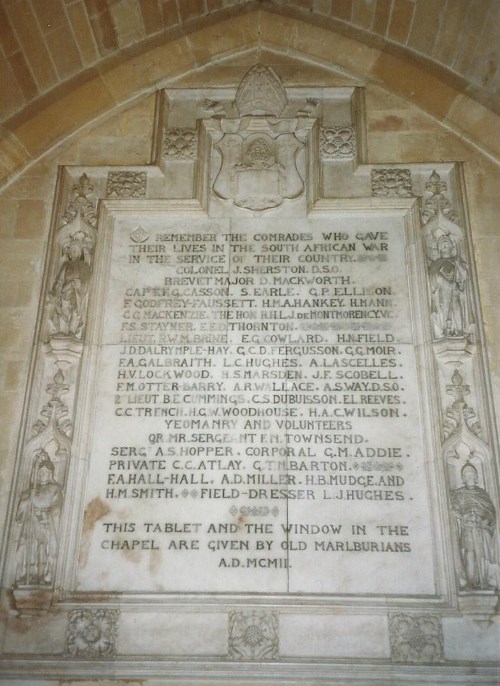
column 38, row 512
column 68, row 294
column 476, row 522
column 449, row 276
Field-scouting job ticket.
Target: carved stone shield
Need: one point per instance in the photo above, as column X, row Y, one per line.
column 258, row 171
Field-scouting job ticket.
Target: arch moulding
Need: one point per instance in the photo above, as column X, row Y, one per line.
column 116, row 82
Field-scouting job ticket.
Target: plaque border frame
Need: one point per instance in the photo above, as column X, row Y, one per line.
column 111, row 211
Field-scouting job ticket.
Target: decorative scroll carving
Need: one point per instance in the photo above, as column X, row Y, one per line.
column 80, row 205
column 92, row 633
column 253, row 635
column 435, row 202
column 180, row 144
column 126, row 184
column 391, row 183
column 261, row 92
column 416, row 638
column 475, row 517
column 38, row 512
column 337, row 142
column 459, row 411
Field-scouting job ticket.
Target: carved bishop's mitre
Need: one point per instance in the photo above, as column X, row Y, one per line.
column 261, row 92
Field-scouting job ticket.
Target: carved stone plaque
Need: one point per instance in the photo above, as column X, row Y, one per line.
column 258, row 425
column 256, row 409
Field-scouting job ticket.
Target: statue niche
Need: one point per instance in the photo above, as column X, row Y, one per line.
column 67, row 298
column 38, row 512
column 449, row 275
column 475, row 517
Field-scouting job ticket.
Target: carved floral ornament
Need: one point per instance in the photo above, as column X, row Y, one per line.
column 391, row 183
column 416, row 638
column 92, row 633
column 253, row 635
column 180, row 144
column 81, row 204
column 459, row 411
column 126, row 184
column 435, row 201
column 337, row 142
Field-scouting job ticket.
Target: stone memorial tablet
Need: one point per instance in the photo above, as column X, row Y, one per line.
column 255, row 409
column 258, row 425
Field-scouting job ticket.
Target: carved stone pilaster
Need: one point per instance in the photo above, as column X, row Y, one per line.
column 466, row 453
column 253, row 635
column 416, row 638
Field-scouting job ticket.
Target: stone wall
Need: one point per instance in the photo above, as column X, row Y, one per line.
column 44, row 44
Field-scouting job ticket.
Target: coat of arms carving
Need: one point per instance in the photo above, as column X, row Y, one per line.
column 260, row 151
column 259, row 171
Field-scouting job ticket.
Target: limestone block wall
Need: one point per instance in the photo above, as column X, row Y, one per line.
column 61, row 62
column 44, row 44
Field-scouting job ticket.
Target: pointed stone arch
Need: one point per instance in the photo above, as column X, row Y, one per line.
column 119, row 81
